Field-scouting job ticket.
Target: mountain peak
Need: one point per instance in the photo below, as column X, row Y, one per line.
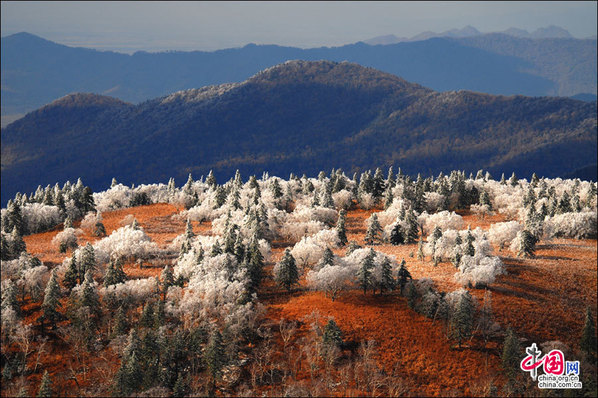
column 80, row 100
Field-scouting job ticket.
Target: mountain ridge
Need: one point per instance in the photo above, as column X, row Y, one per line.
column 36, row 74
column 292, row 118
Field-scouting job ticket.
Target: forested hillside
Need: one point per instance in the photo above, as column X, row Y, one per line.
column 300, row 117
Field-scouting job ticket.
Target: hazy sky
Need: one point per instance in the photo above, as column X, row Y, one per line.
column 128, row 26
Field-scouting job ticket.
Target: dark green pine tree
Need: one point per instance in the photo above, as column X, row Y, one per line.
column 70, row 276
column 412, row 296
column 462, row 318
column 374, row 231
column 340, row 227
column 147, row 315
column 189, row 230
column 255, row 265
column 511, row 354
column 528, row 244
column 403, row 276
column 352, row 247
column 287, row 273
column 397, row 236
column 387, row 283
column 588, row 335
column 413, row 232
column 457, row 251
column 211, row 180
column 469, row 248
column 388, row 197
column 333, row 335
column 14, row 218
column 167, row 278
column 99, row 229
column 52, row 301
column 9, row 297
column 5, row 248
column 45, row 387
column 216, row 249
column 181, row 387
column 89, row 296
column 364, row 273
column 121, row 322
column 327, row 258
column 215, row 356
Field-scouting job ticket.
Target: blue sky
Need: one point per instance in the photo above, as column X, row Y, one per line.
column 130, row 26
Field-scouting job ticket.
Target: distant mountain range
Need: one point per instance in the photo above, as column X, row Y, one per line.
column 36, row 71
column 298, row 117
column 549, row 32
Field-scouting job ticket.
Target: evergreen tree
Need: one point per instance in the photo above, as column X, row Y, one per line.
column 167, row 278
column 99, row 229
column 378, row 184
column 14, row 218
column 255, row 265
column 412, row 296
column 87, row 261
column 121, row 324
column 352, row 247
column 397, row 236
column 51, row 301
column 147, row 315
column 413, row 231
column 5, row 248
column 89, row 296
column 511, row 354
column 216, row 249
column 211, row 180
column 364, row 273
column 420, row 249
column 9, row 297
column 528, row 244
column 388, row 282
column 220, row 197
column 189, row 230
column 374, row 231
column 457, row 251
column 388, row 197
column 469, row 239
column 70, row 276
column 403, row 275
column 588, row 335
column 327, row 258
column 214, row 355
column 332, row 336
column 45, row 387
column 513, row 180
column 340, row 227
column 181, row 387
column 288, row 274
column 462, row 319
column 18, row 244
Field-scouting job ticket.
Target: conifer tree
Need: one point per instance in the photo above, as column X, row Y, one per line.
column 364, row 273
column 70, row 276
column 9, row 297
column 121, row 324
column 388, row 282
column 327, row 258
column 89, row 296
column 332, row 336
column 588, row 335
column 469, row 239
column 45, row 387
column 211, row 180
column 527, row 246
column 352, row 247
column 462, row 319
column 288, row 274
column 511, row 354
column 412, row 296
column 216, row 249
column 87, row 261
column 99, row 229
column 189, row 230
column 402, row 276
column 147, row 315
column 214, row 355
column 340, row 227
column 14, row 218
column 51, row 301
column 457, row 251
column 420, row 249
column 255, row 265
column 167, row 278
column 18, row 244
column 397, row 236
column 513, row 180
column 413, row 231
column 374, row 231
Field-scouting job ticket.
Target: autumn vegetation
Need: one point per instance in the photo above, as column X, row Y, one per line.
column 371, row 285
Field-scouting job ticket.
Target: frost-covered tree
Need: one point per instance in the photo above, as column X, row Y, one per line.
column 286, row 272
column 114, row 273
column 524, row 244
column 87, row 261
column 374, row 231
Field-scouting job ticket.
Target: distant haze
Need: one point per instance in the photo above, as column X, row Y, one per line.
column 156, row 26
